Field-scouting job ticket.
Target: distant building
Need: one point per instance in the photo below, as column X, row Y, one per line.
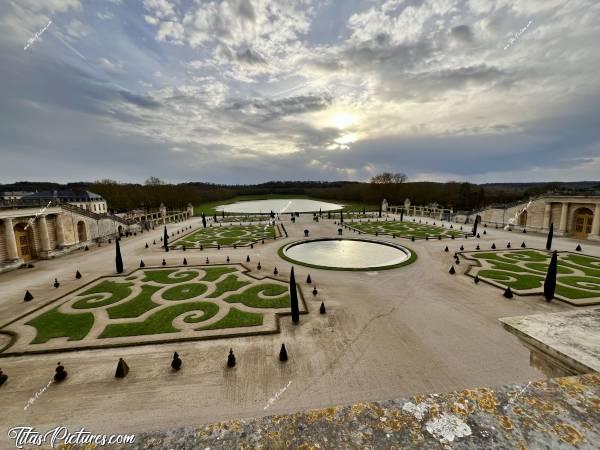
column 572, row 215
column 15, row 195
column 82, row 199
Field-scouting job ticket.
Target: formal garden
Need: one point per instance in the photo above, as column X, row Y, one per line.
column 404, row 229
column 226, row 236
column 244, row 218
column 156, row 305
column 524, row 272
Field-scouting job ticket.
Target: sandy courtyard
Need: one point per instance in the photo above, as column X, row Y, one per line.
column 386, row 334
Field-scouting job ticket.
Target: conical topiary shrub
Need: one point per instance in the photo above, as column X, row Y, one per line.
column 142, row 263
column 578, row 248
column 452, row 270
column 207, row 261
column 164, row 263
column 308, row 280
column 28, row 297
column 60, row 373
column 484, row 232
column 477, row 248
column 3, row 377
column 493, row 246
column 118, row 258
column 322, row 308
column 508, row 293
column 248, row 258
column 549, row 238
column 412, row 238
column 452, row 237
column 56, row 283
column 166, row 240
column 86, row 248
column 122, row 369
column 154, row 242
column 523, row 245
column 231, row 359
column 446, row 249
column 176, row 363
column 78, row 275
column 283, row 356
column 550, row 281
column 146, row 245
column 294, row 298
column 184, row 261
column 258, row 266
column 476, row 279
column 275, row 272
column 508, row 245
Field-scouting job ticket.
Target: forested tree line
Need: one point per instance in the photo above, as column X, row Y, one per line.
column 457, row 195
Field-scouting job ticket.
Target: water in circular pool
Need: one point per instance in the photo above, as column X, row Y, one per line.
column 346, row 254
column 300, row 205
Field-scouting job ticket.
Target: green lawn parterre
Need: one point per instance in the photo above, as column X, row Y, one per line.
column 403, row 229
column 578, row 278
column 226, row 236
column 161, row 302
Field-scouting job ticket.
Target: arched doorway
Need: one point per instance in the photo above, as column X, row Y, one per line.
column 583, row 222
column 81, row 231
column 523, row 218
column 24, row 242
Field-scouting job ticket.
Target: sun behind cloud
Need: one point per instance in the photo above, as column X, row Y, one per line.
column 343, row 120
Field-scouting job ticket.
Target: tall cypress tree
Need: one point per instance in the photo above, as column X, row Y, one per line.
column 118, row 258
column 166, row 239
column 341, row 216
column 477, row 219
column 203, row 220
column 380, row 209
column 550, row 236
column 294, row 298
column 550, row 281
column 401, row 214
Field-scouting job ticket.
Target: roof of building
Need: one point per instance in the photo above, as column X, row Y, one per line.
column 65, row 196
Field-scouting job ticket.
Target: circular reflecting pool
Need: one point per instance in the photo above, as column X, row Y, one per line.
column 347, row 254
column 300, row 205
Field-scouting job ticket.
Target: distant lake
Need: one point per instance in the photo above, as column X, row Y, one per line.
column 276, row 205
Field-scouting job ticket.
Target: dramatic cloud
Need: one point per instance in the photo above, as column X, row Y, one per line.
column 252, row 90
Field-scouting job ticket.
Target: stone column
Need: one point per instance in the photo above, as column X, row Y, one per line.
column 547, row 216
column 44, row 238
column 60, row 231
column 11, row 241
column 595, row 234
column 562, row 228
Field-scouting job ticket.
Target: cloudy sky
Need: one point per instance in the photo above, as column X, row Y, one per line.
column 239, row 91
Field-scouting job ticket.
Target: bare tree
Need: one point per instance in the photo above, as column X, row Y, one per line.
column 153, row 181
column 389, row 178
